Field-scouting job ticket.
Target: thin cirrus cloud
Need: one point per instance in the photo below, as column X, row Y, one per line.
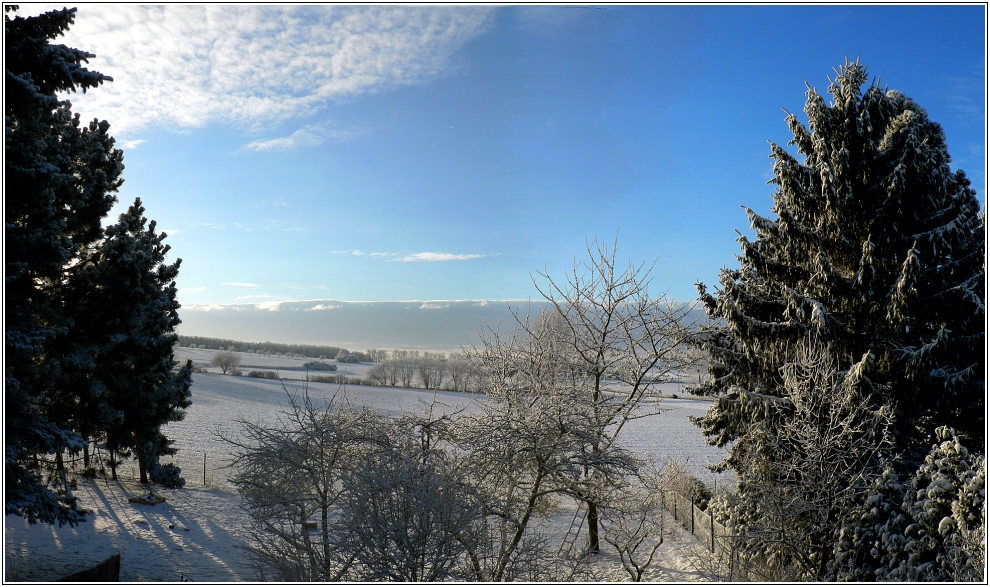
column 186, row 66
column 240, row 284
column 428, row 257
column 308, row 136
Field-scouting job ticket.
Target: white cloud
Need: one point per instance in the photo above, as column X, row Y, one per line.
column 240, row 284
column 308, row 136
column 324, row 307
column 132, row 144
column 429, row 306
column 170, row 231
column 186, row 66
column 270, row 306
column 433, row 257
column 252, row 297
column 204, row 307
column 413, row 257
column 303, row 137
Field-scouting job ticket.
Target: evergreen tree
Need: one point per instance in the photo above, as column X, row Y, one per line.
column 122, row 298
column 877, row 250
column 90, row 314
column 60, row 177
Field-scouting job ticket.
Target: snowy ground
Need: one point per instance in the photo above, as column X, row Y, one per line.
column 203, row 543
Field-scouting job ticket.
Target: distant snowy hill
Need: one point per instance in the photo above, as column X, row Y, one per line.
column 439, row 325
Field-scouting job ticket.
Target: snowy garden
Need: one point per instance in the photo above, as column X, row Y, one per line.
column 838, row 432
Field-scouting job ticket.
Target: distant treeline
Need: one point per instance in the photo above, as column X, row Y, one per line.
column 271, row 348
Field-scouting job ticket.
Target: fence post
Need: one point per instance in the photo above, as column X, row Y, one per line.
column 204, row 467
column 692, row 517
column 712, row 518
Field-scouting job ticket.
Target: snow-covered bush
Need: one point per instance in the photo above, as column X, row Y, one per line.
column 167, row 475
column 407, row 512
column 929, row 528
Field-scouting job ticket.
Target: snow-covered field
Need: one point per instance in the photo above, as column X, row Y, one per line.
column 206, row 520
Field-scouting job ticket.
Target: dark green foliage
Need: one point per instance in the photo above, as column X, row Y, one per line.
column 876, row 253
column 122, row 300
column 167, row 476
column 89, row 313
column 877, row 250
column 60, row 177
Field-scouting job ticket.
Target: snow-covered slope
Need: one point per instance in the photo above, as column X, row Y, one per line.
column 207, row 519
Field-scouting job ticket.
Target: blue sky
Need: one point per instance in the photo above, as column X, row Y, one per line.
column 446, row 153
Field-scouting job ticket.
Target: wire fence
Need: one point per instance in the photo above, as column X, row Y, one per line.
column 727, row 561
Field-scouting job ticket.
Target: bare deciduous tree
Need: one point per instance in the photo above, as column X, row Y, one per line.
column 405, row 370
column 459, row 373
column 226, row 360
column 289, row 472
column 527, row 445
column 634, row 520
column 810, row 461
column 607, row 341
column 431, row 371
column 408, row 511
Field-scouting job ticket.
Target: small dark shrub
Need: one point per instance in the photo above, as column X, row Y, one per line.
column 263, row 374
column 694, row 489
column 167, row 476
column 325, row 378
column 318, row 366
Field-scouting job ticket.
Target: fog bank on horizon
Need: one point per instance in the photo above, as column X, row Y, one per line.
column 416, row 325
column 436, row 325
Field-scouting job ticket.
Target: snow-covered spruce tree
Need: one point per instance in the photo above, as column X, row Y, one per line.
column 121, row 297
column 60, row 177
column 931, row 527
column 877, row 248
column 876, row 251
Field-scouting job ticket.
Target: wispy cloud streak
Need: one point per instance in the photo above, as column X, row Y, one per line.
column 428, row 257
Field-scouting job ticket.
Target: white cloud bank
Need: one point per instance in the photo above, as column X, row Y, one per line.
column 186, row 66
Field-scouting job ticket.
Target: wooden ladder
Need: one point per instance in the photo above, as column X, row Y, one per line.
column 570, row 538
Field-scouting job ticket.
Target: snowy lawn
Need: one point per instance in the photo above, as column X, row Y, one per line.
column 194, row 534
column 207, row 520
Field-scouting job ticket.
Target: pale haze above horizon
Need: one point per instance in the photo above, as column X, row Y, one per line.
column 391, row 153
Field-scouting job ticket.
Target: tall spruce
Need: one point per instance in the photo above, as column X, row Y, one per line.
column 122, row 299
column 876, row 249
column 60, row 177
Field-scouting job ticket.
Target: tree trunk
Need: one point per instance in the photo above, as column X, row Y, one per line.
column 86, row 457
column 143, row 468
column 113, row 464
column 60, row 469
column 593, row 545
